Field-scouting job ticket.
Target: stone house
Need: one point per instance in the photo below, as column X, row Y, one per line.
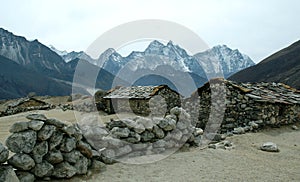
column 27, row 104
column 271, row 104
column 141, row 100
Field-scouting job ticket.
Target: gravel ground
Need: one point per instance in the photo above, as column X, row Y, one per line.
column 244, row 163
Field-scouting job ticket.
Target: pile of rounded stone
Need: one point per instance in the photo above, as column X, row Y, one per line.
column 6, row 171
column 48, row 148
column 127, row 138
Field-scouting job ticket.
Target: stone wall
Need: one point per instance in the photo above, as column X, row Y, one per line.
column 48, row 148
column 16, row 110
column 243, row 110
column 139, row 136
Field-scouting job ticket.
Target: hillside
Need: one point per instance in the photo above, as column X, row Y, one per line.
column 283, row 66
column 17, row 81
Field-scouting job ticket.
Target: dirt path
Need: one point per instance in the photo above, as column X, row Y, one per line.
column 244, row 163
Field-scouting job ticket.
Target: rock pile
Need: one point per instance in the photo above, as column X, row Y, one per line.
column 139, row 136
column 48, row 148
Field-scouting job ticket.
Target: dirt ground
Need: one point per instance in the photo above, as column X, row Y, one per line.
column 244, row 163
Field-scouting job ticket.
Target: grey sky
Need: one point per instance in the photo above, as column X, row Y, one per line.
column 258, row 28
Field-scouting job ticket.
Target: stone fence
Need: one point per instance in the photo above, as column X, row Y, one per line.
column 45, row 149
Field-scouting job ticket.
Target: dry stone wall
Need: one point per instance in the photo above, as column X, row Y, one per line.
column 47, row 148
column 244, row 108
column 139, row 136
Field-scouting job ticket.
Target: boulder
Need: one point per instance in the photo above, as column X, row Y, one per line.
column 176, row 111
column 147, row 136
column 64, row 170
column 21, row 161
column 43, row 169
column 97, row 165
column 54, row 157
column 46, row 132
column 40, row 117
column 55, row 139
column 115, row 123
column 68, row 144
column 72, row 157
column 120, row 132
column 146, row 122
column 3, row 154
column 25, row 176
column 167, row 124
column 139, row 128
column 239, row 130
column 85, row 149
column 269, row 147
column 159, row 133
column 39, row 151
column 7, row 174
column 82, row 165
column 226, row 145
column 69, row 130
column 35, row 124
column 22, row 141
column 19, row 126
column 55, row 122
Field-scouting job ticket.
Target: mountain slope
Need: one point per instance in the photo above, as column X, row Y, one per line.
column 231, row 61
column 17, row 81
column 69, row 56
column 84, row 75
column 283, row 66
column 33, row 55
column 157, row 54
column 46, row 63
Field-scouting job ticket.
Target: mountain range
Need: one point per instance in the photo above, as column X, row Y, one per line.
column 282, row 66
column 158, row 64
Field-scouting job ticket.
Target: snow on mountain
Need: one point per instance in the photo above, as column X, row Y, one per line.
column 69, row 56
column 156, row 54
column 219, row 59
column 61, row 53
column 111, row 61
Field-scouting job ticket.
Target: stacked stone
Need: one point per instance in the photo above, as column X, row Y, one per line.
column 65, row 107
column 11, row 111
column 143, row 136
column 48, row 148
column 245, row 109
column 6, row 172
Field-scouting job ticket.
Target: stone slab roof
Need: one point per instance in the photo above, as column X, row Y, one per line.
column 23, row 100
column 263, row 92
column 271, row 92
column 134, row 92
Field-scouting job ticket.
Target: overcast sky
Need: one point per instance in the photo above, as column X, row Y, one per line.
column 257, row 28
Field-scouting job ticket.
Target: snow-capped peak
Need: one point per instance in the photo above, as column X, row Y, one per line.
column 231, row 61
column 61, row 53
